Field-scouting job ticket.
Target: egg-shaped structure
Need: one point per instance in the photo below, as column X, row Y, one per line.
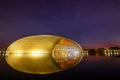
column 43, row 54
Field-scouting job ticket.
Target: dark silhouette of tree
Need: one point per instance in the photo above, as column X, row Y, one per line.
column 116, row 47
column 100, row 51
column 92, row 52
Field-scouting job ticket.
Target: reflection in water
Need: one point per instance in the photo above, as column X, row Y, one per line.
column 91, row 66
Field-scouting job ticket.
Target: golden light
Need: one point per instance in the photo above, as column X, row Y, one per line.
column 37, row 53
column 18, row 53
column 43, row 54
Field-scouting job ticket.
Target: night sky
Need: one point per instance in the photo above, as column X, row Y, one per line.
column 91, row 23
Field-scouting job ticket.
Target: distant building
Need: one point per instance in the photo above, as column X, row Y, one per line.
column 85, row 52
column 112, row 51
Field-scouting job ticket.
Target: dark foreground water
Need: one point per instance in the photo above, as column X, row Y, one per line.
column 90, row 67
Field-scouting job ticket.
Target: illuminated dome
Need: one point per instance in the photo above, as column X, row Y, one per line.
column 43, row 54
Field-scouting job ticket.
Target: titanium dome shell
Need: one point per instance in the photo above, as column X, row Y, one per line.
column 43, row 54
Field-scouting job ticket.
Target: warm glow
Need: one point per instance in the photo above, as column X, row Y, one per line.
column 18, row 53
column 37, row 53
column 42, row 54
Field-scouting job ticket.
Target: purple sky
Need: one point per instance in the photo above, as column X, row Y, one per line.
column 89, row 22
